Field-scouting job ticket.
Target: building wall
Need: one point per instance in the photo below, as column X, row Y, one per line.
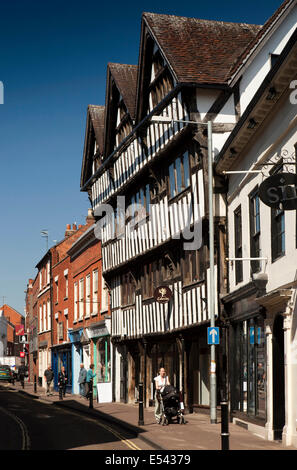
column 276, row 138
column 259, row 67
column 3, row 334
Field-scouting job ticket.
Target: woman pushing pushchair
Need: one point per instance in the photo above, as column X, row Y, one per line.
column 160, row 382
column 167, row 400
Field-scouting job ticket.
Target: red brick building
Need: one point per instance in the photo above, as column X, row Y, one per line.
column 63, row 300
column 90, row 316
column 14, row 320
column 32, row 327
column 44, row 313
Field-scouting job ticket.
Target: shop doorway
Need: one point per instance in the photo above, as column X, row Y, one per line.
column 278, row 378
column 123, row 378
column 199, row 369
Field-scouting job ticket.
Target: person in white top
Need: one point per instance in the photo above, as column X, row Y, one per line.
column 160, row 381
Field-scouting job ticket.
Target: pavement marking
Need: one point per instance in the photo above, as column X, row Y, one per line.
column 25, row 435
column 128, row 443
column 125, row 441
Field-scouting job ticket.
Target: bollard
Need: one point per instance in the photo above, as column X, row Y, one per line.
column 140, row 401
column 225, row 425
column 35, row 384
column 91, row 394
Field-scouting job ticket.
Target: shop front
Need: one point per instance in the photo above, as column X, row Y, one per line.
column 75, row 337
column 184, row 355
column 62, row 357
column 99, row 335
column 247, row 358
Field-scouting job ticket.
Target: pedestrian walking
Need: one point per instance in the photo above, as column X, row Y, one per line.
column 22, row 372
column 82, row 378
column 160, row 382
column 62, row 382
column 89, row 380
column 49, row 376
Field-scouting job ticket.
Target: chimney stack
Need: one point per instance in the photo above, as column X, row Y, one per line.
column 69, row 230
column 90, row 219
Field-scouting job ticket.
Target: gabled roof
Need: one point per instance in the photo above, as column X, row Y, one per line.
column 260, row 107
column 262, row 33
column 200, row 51
column 97, row 120
column 125, row 77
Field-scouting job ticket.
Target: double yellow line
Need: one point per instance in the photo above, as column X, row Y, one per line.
column 125, row 441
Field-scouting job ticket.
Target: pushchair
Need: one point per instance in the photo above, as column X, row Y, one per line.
column 172, row 406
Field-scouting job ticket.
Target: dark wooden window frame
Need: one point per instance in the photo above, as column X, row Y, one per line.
column 238, row 244
column 183, row 184
column 255, row 229
column 128, row 287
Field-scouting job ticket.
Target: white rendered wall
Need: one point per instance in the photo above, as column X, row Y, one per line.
column 258, row 69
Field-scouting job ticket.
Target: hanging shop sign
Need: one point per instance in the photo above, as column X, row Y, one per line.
column 280, row 191
column 19, row 330
column 162, row 294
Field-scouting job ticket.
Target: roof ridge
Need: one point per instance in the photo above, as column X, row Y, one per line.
column 221, row 43
column 265, row 28
column 201, row 19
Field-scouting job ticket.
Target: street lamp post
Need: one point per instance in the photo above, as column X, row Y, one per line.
column 211, row 300
column 44, row 234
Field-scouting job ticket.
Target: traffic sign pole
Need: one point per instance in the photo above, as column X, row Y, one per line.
column 211, row 300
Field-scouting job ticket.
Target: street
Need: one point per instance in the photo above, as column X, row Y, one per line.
column 30, row 424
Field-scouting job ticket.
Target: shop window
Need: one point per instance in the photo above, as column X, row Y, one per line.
column 248, row 388
column 103, row 360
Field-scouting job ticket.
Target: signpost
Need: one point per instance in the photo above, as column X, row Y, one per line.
column 252, row 335
column 19, row 330
column 213, row 336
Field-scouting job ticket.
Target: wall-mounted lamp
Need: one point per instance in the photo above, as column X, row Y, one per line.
column 252, row 123
column 271, row 94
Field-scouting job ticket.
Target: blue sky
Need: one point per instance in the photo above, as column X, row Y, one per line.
column 53, row 59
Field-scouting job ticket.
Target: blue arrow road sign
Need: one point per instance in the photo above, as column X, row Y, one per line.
column 213, row 335
column 252, row 335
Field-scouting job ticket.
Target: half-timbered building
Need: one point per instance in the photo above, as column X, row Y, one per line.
column 149, row 194
column 153, row 175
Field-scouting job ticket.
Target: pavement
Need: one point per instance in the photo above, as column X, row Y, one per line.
column 197, row 434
